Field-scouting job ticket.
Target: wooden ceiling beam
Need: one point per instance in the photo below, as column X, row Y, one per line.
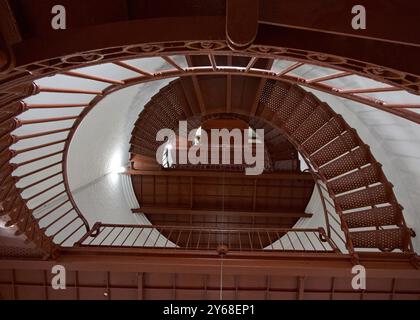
column 197, row 212
column 233, row 175
column 197, row 88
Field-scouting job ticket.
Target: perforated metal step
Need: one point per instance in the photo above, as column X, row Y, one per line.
column 376, row 217
column 387, row 240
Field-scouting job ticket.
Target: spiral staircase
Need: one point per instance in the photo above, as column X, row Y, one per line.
column 370, row 214
column 246, row 72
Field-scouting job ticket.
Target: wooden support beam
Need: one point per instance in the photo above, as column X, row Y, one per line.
column 187, row 211
column 13, row 284
column 198, row 94
column 301, row 288
column 393, row 287
column 108, row 286
column 196, row 173
column 268, row 285
column 191, row 193
column 228, row 93
column 77, row 286
column 46, row 296
column 254, row 195
column 332, row 288
column 196, row 86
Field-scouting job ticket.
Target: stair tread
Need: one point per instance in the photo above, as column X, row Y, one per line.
column 334, row 128
column 288, row 106
column 375, row 195
column 375, row 217
column 357, row 179
column 344, row 143
column 388, row 239
column 313, row 123
column 350, row 161
column 303, row 110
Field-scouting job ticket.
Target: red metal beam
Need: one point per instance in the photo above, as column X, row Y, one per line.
column 381, row 105
column 91, row 77
column 134, row 69
column 213, row 62
column 369, row 90
column 251, row 64
column 55, row 106
column 41, row 134
column 173, row 63
column 290, row 69
column 330, row 77
column 68, row 90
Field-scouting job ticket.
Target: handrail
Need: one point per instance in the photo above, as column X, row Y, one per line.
column 201, row 238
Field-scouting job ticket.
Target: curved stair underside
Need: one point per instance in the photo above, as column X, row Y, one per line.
column 364, row 199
